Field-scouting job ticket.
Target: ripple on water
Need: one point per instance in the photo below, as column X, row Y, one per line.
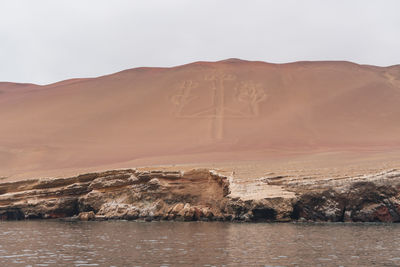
column 49, row 243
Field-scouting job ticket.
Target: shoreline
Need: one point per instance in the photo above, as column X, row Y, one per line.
column 202, row 195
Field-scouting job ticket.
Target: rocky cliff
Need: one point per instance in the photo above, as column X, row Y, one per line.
column 201, row 194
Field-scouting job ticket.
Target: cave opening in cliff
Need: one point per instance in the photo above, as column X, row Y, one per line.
column 12, row 215
column 264, row 214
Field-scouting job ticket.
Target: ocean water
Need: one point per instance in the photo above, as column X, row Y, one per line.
column 123, row 243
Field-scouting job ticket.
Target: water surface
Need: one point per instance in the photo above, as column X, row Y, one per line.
column 121, row 243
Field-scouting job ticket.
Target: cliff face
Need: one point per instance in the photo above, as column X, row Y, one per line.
column 122, row 194
column 200, row 194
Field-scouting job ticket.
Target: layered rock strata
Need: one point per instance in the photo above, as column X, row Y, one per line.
column 200, row 194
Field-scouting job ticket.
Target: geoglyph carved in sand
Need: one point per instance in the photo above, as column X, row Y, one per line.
column 183, row 96
column 252, row 94
column 392, row 80
column 248, row 93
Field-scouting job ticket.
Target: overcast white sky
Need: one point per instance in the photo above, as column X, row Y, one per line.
column 45, row 41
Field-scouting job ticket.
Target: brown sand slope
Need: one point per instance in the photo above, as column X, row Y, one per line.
column 229, row 110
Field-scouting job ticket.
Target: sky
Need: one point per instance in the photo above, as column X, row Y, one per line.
column 45, row 41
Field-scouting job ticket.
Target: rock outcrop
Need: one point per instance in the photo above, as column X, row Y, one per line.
column 199, row 194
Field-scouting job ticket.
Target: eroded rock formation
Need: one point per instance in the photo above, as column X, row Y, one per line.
column 199, row 194
column 123, row 194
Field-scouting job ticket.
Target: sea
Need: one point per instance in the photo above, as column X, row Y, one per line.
column 130, row 243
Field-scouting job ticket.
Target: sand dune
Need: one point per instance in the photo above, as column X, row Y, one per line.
column 229, row 110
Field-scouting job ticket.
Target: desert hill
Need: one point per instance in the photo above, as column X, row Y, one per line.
column 199, row 112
